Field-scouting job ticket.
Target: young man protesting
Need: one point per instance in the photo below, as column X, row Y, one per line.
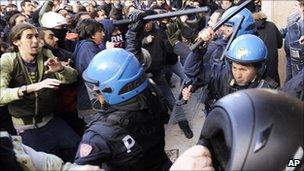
column 29, row 77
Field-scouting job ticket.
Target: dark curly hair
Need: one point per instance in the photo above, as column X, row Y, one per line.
column 87, row 28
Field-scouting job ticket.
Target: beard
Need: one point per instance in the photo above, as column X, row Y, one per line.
column 60, row 34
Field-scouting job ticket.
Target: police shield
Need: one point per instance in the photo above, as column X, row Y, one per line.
column 295, row 48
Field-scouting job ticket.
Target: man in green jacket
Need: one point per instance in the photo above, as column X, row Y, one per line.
column 29, row 77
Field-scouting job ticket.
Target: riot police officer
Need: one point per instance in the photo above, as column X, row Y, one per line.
column 208, row 59
column 294, row 32
column 294, row 46
column 257, row 129
column 129, row 134
column 244, row 69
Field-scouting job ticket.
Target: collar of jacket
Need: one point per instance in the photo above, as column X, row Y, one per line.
column 39, row 61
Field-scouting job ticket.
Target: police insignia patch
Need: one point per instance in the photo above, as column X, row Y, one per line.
column 85, row 150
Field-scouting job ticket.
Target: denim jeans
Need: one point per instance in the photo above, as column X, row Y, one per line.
column 56, row 137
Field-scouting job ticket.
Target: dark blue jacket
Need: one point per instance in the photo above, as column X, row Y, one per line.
column 217, row 75
column 128, row 136
column 84, row 52
column 108, row 29
column 222, row 83
column 295, row 86
column 204, row 60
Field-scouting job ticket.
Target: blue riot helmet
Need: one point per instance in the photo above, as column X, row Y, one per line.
column 248, row 24
column 255, row 129
column 248, row 49
column 116, row 74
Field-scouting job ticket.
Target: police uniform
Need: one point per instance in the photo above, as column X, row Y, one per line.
column 296, row 50
column 206, row 59
column 223, row 83
column 295, row 86
column 245, row 49
column 128, row 136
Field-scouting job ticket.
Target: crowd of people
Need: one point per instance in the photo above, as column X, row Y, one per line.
column 87, row 92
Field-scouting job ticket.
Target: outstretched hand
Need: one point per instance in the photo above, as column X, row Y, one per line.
column 54, row 65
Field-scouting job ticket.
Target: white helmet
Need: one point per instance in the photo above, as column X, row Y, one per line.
column 52, row 19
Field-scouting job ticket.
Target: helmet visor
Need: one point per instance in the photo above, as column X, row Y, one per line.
column 93, row 93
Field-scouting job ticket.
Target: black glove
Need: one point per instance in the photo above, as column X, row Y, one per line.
column 136, row 17
column 187, row 31
column 173, row 33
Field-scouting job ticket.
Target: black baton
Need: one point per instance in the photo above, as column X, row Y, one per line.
column 164, row 15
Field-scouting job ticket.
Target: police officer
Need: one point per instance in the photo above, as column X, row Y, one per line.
column 208, row 59
column 294, row 48
column 129, row 134
column 255, row 129
column 294, row 41
column 245, row 69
